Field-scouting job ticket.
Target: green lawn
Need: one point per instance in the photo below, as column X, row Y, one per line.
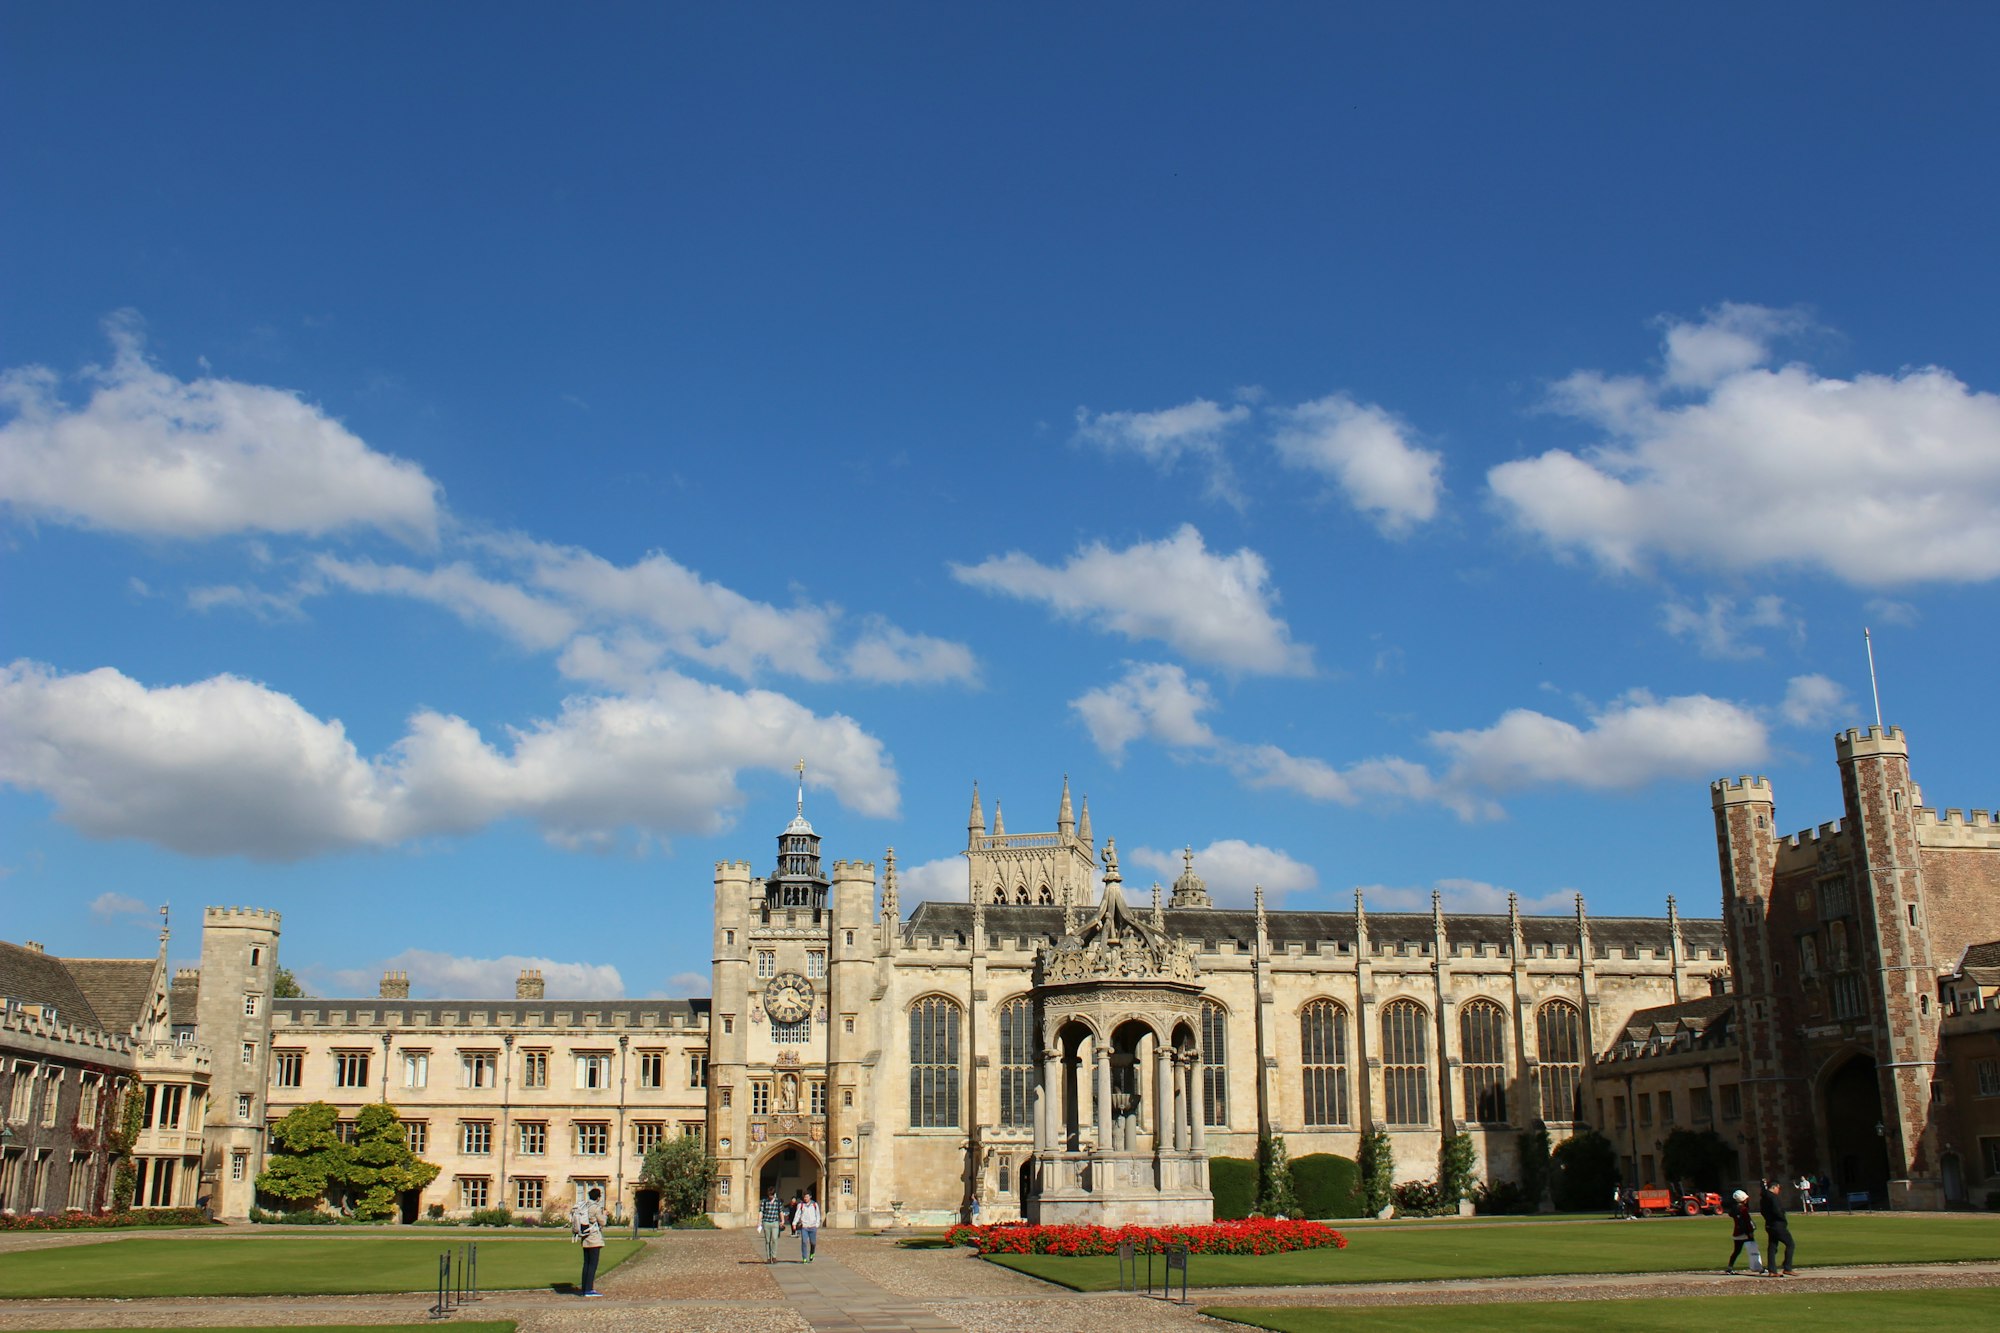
column 286, row 1265
column 1655, row 1245
column 1823, row 1312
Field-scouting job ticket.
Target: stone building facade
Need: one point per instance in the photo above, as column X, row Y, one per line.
column 78, row 1037
column 1843, row 936
column 894, row 1062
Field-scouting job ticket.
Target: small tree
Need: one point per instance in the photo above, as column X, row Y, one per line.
column 1275, row 1195
column 285, row 986
column 1583, row 1172
column 1535, row 1165
column 1378, row 1170
column 682, row 1171
column 308, row 1160
column 1699, row 1158
column 126, row 1120
column 380, row 1164
column 1455, row 1160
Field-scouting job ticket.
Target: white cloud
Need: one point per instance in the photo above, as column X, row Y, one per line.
column 544, row 597
column 892, row 656
column 1232, row 868
column 436, row 975
column 106, row 906
column 1367, row 452
column 1153, row 701
column 1214, row 609
column 1635, row 741
column 1195, row 430
column 1723, row 463
column 530, row 621
column 1471, row 896
column 1814, row 701
column 1719, row 625
column 945, row 880
column 226, row 766
column 1892, row 612
column 157, row 456
column 685, row 985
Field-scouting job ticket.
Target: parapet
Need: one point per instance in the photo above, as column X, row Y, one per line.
column 1859, row 744
column 854, row 870
column 260, row 917
column 1746, row 790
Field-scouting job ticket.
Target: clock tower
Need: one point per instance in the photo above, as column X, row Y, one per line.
column 774, row 1117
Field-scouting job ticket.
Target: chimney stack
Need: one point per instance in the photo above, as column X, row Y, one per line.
column 395, row 986
column 529, row 986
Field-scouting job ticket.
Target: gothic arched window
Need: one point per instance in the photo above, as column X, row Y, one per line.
column 1048, row 899
column 1482, row 1042
column 1000, row 895
column 1559, row 1041
column 1017, row 1062
column 934, row 1057
column 1406, row 1064
column 1021, row 894
column 1323, row 1059
column 1214, row 1064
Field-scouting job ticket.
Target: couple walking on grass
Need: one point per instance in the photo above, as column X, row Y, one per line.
column 1777, row 1231
column 802, row 1216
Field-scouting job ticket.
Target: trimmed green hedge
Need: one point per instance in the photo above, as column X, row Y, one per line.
column 1328, row 1186
column 1233, row 1180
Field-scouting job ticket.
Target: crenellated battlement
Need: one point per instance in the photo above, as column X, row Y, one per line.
column 853, row 870
column 1745, row 790
column 28, row 1024
column 1812, row 836
column 1859, row 743
column 240, row 916
column 1972, row 819
column 726, row 867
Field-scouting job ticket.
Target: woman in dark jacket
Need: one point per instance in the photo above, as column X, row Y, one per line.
column 1745, row 1233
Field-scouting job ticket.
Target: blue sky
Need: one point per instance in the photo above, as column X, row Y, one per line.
column 455, row 460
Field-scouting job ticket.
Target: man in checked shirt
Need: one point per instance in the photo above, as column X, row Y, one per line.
column 770, row 1219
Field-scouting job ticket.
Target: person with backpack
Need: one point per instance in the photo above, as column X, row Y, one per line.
column 586, row 1227
column 1744, row 1233
column 805, row 1221
column 1777, row 1229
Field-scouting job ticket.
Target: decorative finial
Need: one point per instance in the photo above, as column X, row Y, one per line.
column 999, row 821
column 801, row 766
column 1065, row 816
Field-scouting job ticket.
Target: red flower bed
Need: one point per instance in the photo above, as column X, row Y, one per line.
column 144, row 1217
column 1261, row 1235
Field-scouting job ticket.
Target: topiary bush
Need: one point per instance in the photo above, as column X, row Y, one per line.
column 1276, row 1196
column 1378, row 1171
column 1582, row 1172
column 1328, row 1186
column 1233, row 1181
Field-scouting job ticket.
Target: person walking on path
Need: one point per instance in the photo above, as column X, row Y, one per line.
column 805, row 1221
column 586, row 1225
column 1744, row 1233
column 1777, row 1231
column 771, row 1219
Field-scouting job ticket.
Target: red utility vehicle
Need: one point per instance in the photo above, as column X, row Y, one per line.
column 1666, row 1201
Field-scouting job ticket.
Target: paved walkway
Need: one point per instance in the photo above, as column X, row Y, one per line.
column 717, row 1282
column 833, row 1298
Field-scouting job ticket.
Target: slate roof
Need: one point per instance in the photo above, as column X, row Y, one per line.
column 1981, row 963
column 119, row 989
column 184, row 1000
column 38, row 978
column 951, row 921
column 499, row 1013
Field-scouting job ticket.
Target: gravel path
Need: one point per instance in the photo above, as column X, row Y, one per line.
column 716, row 1282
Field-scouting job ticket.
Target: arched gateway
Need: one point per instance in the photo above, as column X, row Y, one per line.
column 1118, row 1119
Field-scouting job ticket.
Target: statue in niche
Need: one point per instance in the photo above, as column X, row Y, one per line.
column 788, row 1093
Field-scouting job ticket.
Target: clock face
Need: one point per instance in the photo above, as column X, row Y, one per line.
column 788, row 998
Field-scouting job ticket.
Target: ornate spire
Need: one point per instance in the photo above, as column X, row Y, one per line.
column 1083, row 829
column 1116, row 943
column 1159, row 911
column 891, row 909
column 999, row 821
column 1065, row 819
column 1190, row 890
column 975, row 824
